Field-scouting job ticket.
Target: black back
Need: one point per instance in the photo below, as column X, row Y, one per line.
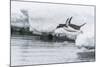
column 61, row 25
column 75, row 26
column 68, row 23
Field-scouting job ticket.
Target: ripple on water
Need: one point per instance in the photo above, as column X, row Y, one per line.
column 27, row 50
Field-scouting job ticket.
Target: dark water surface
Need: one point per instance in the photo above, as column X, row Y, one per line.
column 27, row 50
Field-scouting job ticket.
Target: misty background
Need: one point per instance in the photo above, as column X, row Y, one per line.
column 45, row 17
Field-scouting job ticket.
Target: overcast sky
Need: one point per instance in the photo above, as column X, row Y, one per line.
column 44, row 16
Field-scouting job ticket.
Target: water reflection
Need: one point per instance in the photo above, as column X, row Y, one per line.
column 27, row 51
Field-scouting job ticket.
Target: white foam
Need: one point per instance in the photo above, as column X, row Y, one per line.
column 87, row 37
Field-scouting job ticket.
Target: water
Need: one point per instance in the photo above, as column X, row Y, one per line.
column 27, row 50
